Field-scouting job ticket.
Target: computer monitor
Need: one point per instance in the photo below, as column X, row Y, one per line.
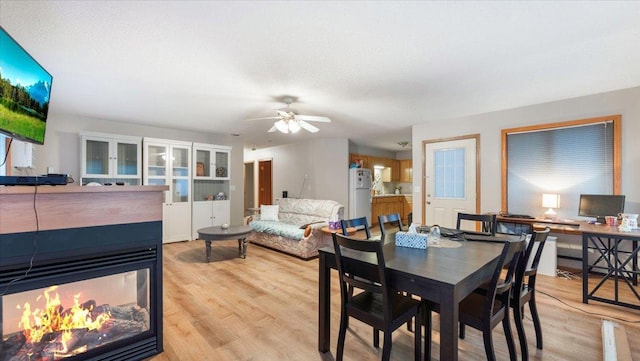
column 600, row 205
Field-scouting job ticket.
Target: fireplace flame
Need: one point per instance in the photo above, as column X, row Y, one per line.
column 54, row 318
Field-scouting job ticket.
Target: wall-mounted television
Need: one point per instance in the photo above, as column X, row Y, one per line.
column 600, row 205
column 25, row 87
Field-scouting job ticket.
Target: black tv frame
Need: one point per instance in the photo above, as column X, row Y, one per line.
column 599, row 206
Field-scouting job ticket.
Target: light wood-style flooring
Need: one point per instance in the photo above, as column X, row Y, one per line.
column 264, row 307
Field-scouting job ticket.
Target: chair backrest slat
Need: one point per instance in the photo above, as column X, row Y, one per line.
column 487, row 221
column 528, row 266
column 360, row 222
column 392, row 219
column 370, row 275
column 511, row 255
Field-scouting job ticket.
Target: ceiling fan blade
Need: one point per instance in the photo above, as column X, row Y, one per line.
column 267, row 118
column 313, row 118
column 308, row 127
column 273, row 129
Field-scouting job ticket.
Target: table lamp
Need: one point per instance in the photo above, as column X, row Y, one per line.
column 550, row 201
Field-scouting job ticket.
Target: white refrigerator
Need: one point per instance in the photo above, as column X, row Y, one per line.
column 360, row 193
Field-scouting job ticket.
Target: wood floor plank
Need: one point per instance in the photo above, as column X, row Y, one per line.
column 265, row 307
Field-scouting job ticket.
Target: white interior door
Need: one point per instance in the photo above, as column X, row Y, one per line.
column 450, row 180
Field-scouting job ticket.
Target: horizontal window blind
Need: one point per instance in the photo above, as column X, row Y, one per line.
column 565, row 161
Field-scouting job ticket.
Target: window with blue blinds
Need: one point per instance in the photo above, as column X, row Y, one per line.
column 566, row 161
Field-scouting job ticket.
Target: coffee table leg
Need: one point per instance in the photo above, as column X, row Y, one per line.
column 208, row 245
column 242, row 247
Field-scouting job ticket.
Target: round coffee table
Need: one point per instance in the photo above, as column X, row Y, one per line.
column 216, row 233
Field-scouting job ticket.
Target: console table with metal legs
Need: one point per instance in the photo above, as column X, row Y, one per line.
column 616, row 259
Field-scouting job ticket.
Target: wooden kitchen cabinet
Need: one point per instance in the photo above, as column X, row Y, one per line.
column 366, row 163
column 386, row 205
column 406, row 171
column 406, row 209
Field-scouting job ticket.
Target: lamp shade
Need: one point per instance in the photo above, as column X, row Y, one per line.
column 550, row 200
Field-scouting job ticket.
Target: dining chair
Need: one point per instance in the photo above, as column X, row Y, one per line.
column 392, row 219
column 376, row 305
column 487, row 222
column 359, row 223
column 524, row 290
column 485, row 311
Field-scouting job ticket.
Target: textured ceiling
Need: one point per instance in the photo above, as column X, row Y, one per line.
column 374, row 68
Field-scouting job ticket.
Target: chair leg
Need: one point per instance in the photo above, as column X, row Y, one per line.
column 522, row 337
column 418, row 335
column 427, row 333
column 536, row 320
column 376, row 338
column 386, row 347
column 461, row 330
column 488, row 345
column 409, row 327
column 509, row 335
column 344, row 323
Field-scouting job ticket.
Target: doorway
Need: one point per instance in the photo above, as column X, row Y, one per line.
column 249, row 188
column 451, row 179
column 265, row 193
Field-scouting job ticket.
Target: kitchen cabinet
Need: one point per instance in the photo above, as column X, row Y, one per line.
column 406, row 171
column 354, row 158
column 407, row 208
column 391, row 172
column 110, row 158
column 168, row 162
column 209, row 214
column 386, row 205
column 381, row 205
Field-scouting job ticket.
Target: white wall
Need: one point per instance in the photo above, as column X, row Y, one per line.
column 489, row 126
column 323, row 161
column 61, row 149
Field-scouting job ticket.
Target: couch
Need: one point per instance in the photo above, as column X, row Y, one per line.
column 296, row 227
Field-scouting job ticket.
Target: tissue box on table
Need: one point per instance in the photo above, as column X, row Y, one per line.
column 412, row 240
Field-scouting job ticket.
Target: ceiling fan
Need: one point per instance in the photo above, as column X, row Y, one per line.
column 288, row 121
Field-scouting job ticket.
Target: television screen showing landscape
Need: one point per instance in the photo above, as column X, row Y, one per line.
column 24, row 92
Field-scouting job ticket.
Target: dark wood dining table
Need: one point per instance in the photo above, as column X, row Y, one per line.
column 438, row 274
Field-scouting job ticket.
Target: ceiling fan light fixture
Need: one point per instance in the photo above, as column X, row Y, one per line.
column 281, row 125
column 294, row 126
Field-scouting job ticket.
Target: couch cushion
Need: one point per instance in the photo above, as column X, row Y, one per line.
column 269, row 213
column 278, row 228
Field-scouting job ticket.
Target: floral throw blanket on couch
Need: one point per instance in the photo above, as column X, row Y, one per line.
column 290, row 218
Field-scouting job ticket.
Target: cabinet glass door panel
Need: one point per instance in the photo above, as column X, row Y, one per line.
column 97, row 157
column 157, row 160
column 127, row 159
column 180, row 162
column 222, row 164
column 203, row 163
column 180, row 190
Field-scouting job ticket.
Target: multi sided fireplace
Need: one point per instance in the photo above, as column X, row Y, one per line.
column 82, row 293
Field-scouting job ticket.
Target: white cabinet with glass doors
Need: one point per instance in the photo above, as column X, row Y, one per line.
column 211, row 161
column 109, row 158
column 168, row 162
column 211, row 205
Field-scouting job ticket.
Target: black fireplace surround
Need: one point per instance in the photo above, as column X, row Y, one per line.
column 71, row 255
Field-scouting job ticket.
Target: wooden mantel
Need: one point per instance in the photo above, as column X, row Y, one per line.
column 60, row 207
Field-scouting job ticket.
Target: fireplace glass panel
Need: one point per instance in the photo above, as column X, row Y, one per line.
column 65, row 320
